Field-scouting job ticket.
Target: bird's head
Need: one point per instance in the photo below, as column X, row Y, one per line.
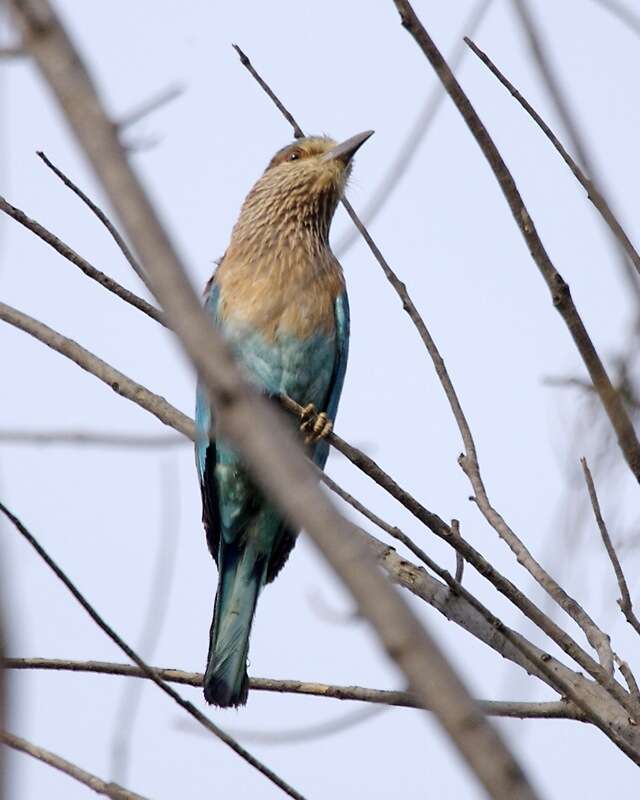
column 299, row 190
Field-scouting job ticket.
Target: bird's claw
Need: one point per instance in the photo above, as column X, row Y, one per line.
column 315, row 426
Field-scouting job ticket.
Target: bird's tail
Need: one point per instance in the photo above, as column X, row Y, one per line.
column 242, row 574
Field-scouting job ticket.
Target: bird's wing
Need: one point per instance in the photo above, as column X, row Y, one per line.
column 206, row 447
column 342, row 319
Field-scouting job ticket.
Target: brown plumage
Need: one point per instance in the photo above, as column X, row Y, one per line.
column 279, row 251
column 279, row 298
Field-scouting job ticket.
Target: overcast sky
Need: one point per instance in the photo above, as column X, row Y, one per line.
column 341, row 68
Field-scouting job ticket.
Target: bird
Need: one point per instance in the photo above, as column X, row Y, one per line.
column 279, row 299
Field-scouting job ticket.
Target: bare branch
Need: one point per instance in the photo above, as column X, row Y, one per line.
column 88, row 269
column 626, row 606
column 11, row 52
column 455, row 527
column 119, row 382
column 104, row 219
column 188, row 707
column 297, row 130
column 153, row 104
column 624, row 14
column 99, row 786
column 276, row 459
column 592, row 191
column 558, row 288
column 310, row 733
column 495, row 708
column 79, row 438
column 399, row 166
column 562, row 105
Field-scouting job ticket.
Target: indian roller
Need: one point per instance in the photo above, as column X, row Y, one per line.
column 278, row 297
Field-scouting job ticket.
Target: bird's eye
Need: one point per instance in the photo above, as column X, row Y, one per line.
column 294, row 156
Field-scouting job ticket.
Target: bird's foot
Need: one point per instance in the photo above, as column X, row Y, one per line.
column 315, row 426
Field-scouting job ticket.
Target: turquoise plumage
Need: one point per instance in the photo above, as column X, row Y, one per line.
column 279, row 299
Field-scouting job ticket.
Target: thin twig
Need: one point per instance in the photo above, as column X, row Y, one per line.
column 297, row 130
column 104, row 219
column 591, row 189
column 150, row 106
column 304, row 734
column 629, row 677
column 399, row 166
column 626, row 606
column 496, row 708
column 89, row 270
column 79, row 438
column 455, row 527
column 562, row 105
column 99, row 786
column 148, row 671
column 623, row 13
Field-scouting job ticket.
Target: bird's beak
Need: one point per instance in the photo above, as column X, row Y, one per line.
column 346, row 150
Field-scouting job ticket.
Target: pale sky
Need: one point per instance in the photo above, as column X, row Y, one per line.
column 341, row 68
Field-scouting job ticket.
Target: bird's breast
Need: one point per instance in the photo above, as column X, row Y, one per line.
column 287, row 298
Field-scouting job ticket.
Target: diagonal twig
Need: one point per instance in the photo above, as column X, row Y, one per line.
column 148, row 671
column 593, row 193
column 626, row 606
column 623, row 13
column 562, row 104
column 150, row 106
column 297, row 130
column 104, row 219
column 399, row 166
column 89, row 270
column 108, row 789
